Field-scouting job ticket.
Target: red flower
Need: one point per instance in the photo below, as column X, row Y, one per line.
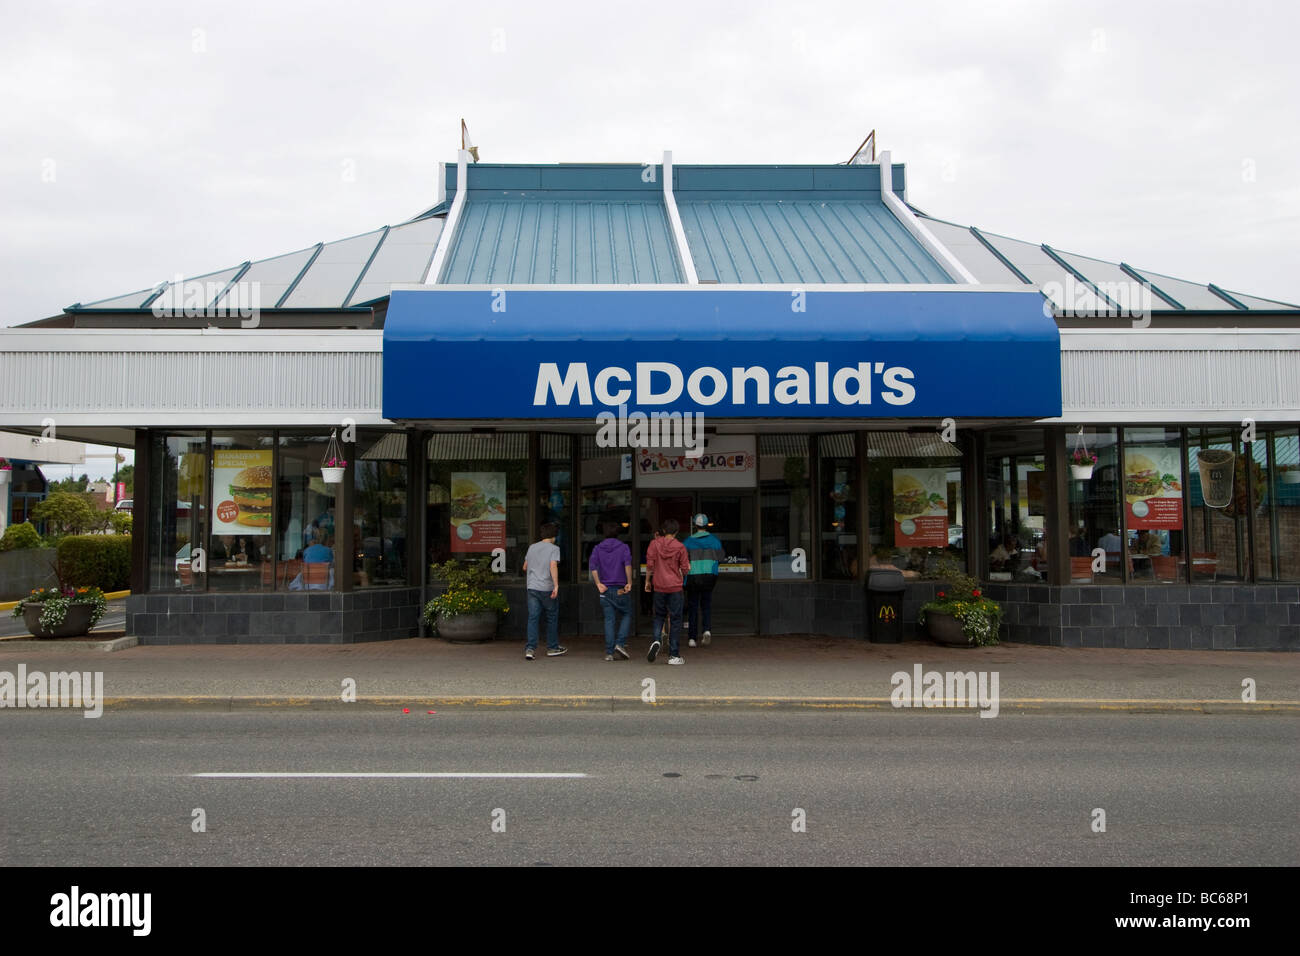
column 975, row 593
column 940, row 594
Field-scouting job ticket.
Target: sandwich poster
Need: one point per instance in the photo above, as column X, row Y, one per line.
column 920, row 507
column 241, row 487
column 1153, row 487
column 478, row 510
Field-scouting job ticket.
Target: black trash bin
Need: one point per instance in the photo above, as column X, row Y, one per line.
column 885, row 607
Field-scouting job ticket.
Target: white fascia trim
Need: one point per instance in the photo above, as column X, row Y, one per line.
column 845, row 287
column 924, row 236
column 453, row 219
column 206, row 418
column 1179, row 340
column 675, row 221
column 190, row 340
column 1173, row 416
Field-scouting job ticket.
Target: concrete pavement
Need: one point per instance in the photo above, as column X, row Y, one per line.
column 789, row 672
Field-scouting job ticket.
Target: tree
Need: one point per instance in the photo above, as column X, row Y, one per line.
column 66, row 513
column 70, row 484
column 126, row 474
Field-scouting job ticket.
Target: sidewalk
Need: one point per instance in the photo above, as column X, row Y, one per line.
column 793, row 672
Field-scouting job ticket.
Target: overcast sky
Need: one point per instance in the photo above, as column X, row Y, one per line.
column 145, row 139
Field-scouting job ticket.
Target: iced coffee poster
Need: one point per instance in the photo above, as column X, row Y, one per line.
column 478, row 510
column 920, row 507
column 1153, row 487
column 241, row 492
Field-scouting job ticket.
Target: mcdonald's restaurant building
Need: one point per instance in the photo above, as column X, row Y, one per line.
column 838, row 380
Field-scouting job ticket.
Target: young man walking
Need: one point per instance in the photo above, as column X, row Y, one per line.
column 542, row 565
column 611, row 572
column 705, row 551
column 667, row 566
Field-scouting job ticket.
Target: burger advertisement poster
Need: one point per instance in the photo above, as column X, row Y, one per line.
column 478, row 510
column 1153, row 487
column 242, row 488
column 920, row 507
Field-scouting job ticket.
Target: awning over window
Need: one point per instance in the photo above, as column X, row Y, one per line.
column 856, row 352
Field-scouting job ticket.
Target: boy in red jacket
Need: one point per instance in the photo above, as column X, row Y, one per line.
column 667, row 565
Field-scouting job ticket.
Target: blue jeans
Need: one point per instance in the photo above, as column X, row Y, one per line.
column 618, row 611
column 539, row 601
column 669, row 605
column 699, row 601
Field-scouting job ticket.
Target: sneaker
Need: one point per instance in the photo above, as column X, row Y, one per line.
column 676, row 660
column 705, row 638
column 691, row 642
column 528, row 654
column 557, row 652
column 653, row 652
column 621, row 651
column 609, row 657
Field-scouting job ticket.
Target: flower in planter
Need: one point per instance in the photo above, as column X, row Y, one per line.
column 1081, row 456
column 469, row 589
column 56, row 602
column 336, row 463
column 5, row 466
column 979, row 616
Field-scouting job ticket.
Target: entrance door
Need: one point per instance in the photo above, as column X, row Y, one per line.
column 731, row 519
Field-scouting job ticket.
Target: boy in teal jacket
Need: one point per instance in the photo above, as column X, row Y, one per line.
column 705, row 551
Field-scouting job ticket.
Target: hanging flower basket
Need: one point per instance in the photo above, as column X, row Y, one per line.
column 334, row 464
column 5, row 470
column 1082, row 461
column 1080, row 472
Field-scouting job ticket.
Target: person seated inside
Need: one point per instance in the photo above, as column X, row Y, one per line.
column 319, row 551
column 1109, row 542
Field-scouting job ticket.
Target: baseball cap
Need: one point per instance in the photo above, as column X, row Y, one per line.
column 701, row 520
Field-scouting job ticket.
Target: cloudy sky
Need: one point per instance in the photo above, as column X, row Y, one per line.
column 145, row 139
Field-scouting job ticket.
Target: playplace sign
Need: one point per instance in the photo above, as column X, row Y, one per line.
column 452, row 352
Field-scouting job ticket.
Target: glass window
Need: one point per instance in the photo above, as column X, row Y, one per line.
column 914, row 499
column 606, row 494
column 240, row 551
column 1015, row 478
column 784, row 482
column 379, row 518
column 1277, row 526
column 477, row 497
column 838, row 495
column 1217, row 528
column 555, row 494
column 1095, row 520
column 305, row 515
column 1153, row 503
column 178, row 522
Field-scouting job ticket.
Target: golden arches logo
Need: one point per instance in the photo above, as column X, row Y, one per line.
column 887, row 614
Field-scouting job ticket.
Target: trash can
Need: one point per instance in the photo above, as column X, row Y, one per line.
column 885, row 607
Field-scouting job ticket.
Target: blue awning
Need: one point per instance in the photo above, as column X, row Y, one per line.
column 458, row 353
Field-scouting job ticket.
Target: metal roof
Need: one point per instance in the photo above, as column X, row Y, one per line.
column 1082, row 285
column 562, row 240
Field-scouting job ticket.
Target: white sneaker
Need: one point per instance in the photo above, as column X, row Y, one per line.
column 676, row 660
column 691, row 642
column 705, row 638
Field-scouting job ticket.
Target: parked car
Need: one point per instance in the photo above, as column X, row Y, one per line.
column 123, row 505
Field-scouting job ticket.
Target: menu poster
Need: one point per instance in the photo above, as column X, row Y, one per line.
column 920, row 507
column 478, row 511
column 241, row 489
column 1153, row 487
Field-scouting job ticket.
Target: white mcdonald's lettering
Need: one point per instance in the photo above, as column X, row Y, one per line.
column 662, row 383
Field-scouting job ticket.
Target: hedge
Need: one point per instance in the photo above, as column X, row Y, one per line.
column 18, row 536
column 96, row 560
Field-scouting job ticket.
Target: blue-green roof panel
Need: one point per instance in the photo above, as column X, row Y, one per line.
column 803, row 240
column 562, row 241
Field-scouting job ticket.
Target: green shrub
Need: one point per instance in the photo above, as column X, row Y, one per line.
column 120, row 522
column 20, row 536
column 65, row 512
column 94, row 560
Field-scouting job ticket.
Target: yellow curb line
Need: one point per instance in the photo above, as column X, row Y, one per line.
column 1044, row 704
column 110, row 596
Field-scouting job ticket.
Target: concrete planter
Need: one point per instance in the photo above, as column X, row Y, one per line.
column 945, row 629
column 472, row 628
column 75, row 624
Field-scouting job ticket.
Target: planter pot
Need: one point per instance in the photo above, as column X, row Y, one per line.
column 945, row 629
column 75, row 624
column 4, row 476
column 1289, row 477
column 332, row 476
column 468, row 628
column 1081, row 472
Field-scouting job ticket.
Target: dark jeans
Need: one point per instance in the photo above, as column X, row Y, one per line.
column 669, row 605
column 699, row 601
column 617, row 609
column 538, row 602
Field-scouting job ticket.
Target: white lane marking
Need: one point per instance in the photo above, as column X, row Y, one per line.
column 452, row 776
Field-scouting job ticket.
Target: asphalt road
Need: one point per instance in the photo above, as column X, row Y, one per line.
column 681, row 788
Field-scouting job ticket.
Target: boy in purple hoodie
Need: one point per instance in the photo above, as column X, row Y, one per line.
column 611, row 572
column 667, row 565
